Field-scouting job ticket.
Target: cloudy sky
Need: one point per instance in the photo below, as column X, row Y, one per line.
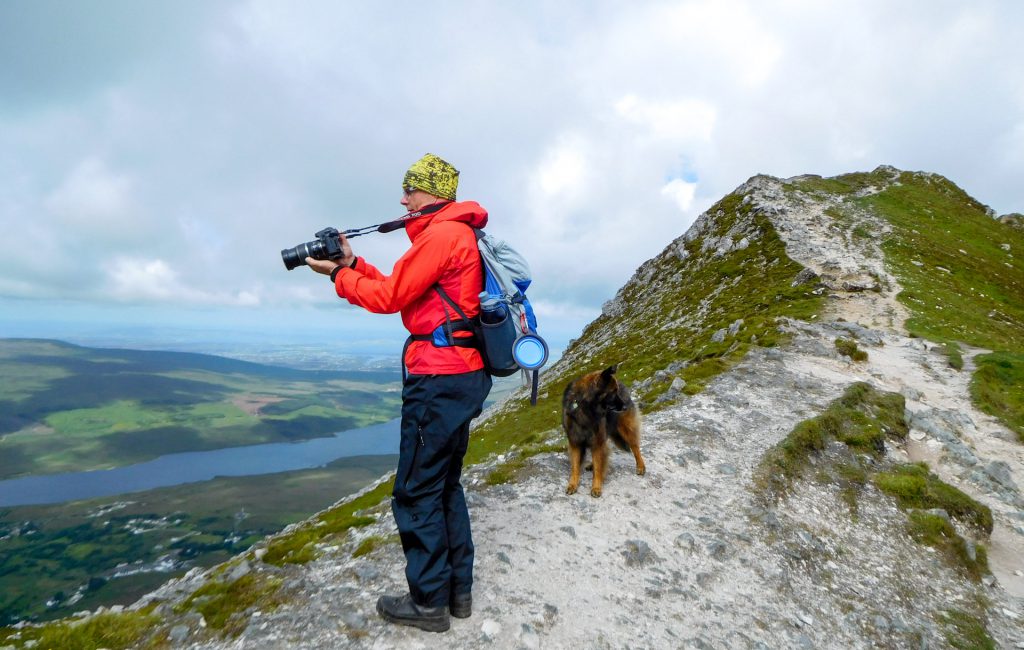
column 155, row 157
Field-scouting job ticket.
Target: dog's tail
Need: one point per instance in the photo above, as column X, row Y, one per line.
column 614, row 424
column 617, row 438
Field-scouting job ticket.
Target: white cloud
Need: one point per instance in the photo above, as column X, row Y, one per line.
column 135, row 279
column 562, row 172
column 682, row 120
column 92, row 194
column 584, row 128
column 726, row 34
column 680, row 192
column 1013, row 146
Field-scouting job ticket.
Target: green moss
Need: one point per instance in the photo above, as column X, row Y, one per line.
column 937, row 532
column 112, row 631
column 372, row 543
column 952, row 351
column 996, row 388
column 506, row 471
column 915, row 487
column 965, row 631
column 848, row 347
column 861, row 419
column 298, row 547
column 223, row 604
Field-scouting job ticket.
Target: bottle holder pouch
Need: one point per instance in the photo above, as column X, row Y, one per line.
column 499, row 338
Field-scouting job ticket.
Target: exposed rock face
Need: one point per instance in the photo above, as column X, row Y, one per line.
column 1014, row 219
column 689, row 555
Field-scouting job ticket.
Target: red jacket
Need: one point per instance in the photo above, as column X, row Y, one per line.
column 444, row 251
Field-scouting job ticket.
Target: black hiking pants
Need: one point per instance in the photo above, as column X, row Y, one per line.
column 428, row 501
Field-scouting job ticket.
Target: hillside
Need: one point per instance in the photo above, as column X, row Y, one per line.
column 830, row 376
column 67, row 408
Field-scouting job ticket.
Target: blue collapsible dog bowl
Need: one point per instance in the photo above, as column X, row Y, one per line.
column 530, row 351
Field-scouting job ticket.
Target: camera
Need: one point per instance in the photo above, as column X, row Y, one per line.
column 326, row 246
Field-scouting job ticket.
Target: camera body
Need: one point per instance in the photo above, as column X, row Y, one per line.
column 326, row 246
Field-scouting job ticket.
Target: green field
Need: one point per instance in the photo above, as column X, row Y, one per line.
column 68, row 408
column 68, row 554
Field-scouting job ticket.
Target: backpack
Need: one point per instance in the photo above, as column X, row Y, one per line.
column 506, row 330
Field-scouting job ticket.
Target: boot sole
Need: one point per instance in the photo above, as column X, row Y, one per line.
column 428, row 625
column 462, row 613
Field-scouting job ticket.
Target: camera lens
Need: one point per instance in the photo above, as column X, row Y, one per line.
column 293, row 257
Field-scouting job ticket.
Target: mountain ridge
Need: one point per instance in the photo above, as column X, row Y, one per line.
column 737, row 335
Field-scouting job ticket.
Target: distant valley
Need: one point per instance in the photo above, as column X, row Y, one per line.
column 67, row 408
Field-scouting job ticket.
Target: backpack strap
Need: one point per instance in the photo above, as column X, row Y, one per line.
column 465, row 324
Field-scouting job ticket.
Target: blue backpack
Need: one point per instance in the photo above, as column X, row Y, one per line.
column 506, row 330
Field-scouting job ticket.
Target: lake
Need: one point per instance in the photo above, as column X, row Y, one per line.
column 195, row 466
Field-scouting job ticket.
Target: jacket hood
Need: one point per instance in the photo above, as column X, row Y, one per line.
column 468, row 212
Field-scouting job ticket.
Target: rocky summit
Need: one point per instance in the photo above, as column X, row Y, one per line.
column 834, row 443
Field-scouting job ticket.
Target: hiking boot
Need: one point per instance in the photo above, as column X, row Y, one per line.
column 403, row 611
column 461, row 605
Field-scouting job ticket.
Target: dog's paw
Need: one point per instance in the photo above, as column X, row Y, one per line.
column 640, row 471
column 595, row 492
column 571, row 489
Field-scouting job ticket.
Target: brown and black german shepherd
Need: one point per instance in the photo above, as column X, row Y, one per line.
column 596, row 407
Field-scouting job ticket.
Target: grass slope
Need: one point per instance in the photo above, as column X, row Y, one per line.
column 68, row 408
column 998, row 388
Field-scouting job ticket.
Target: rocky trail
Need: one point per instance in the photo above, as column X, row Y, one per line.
column 687, row 556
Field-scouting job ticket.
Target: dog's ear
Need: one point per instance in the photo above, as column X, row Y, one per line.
column 609, row 371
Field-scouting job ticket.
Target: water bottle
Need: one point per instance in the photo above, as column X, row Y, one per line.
column 492, row 311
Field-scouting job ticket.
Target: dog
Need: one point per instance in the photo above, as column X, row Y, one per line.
column 596, row 407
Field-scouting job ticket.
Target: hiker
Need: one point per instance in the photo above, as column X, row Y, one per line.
column 444, row 387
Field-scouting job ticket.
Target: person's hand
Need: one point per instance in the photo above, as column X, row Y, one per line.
column 326, row 267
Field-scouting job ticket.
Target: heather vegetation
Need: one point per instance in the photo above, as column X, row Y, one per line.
column 112, row 631
column 861, row 419
column 849, row 348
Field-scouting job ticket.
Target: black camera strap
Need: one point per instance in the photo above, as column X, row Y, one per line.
column 397, row 224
